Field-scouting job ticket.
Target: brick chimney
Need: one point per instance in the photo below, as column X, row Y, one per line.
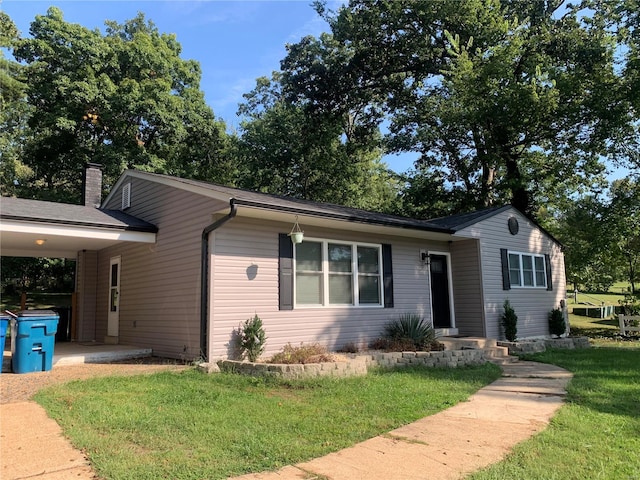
column 92, row 185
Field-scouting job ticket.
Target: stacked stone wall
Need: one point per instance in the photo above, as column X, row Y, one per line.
column 535, row 346
column 358, row 364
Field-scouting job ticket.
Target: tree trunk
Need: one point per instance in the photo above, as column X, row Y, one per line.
column 520, row 197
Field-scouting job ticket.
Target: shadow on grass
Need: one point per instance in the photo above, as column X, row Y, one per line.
column 606, row 380
column 599, row 333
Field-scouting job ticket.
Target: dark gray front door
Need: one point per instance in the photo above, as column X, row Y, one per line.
column 440, row 303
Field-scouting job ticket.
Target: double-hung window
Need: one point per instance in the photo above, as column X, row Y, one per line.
column 527, row 270
column 338, row 273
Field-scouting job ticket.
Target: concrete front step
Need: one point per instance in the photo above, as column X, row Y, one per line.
column 493, row 352
column 499, row 352
column 503, row 360
column 459, row 343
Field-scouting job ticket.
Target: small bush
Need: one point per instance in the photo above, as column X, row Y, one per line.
column 314, row 353
column 509, row 322
column 349, row 347
column 630, row 305
column 412, row 328
column 252, row 338
column 557, row 325
column 403, row 345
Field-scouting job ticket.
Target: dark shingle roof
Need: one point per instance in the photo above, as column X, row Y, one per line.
column 307, row 207
column 67, row 214
column 463, row 220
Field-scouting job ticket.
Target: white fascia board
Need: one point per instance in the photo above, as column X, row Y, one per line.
column 45, row 229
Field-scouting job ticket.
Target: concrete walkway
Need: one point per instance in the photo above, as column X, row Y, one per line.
column 454, row 442
column 448, row 445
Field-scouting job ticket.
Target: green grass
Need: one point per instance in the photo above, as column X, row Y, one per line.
column 191, row 426
column 35, row 300
column 596, row 435
column 602, row 331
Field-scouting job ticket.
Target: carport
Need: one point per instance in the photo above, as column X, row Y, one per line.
column 34, row 228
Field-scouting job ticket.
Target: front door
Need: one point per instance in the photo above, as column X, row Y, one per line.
column 113, row 321
column 440, row 301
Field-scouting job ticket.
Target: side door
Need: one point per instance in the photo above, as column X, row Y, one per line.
column 113, row 319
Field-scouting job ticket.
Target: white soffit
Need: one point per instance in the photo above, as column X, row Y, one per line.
column 18, row 238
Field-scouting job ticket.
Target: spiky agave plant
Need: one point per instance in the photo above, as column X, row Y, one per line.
column 413, row 327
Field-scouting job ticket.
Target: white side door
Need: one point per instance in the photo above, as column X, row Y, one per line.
column 113, row 320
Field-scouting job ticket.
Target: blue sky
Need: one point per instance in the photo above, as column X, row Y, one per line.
column 235, row 42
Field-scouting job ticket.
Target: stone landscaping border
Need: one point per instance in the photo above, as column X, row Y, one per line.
column 356, row 364
column 535, row 346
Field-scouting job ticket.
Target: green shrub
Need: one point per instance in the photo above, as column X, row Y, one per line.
column 557, row 325
column 349, row 347
column 412, row 328
column 509, row 322
column 252, row 338
column 630, row 305
column 403, row 345
column 314, row 353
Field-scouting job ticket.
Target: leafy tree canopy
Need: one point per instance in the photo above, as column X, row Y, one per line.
column 504, row 100
column 288, row 148
column 124, row 99
column 601, row 234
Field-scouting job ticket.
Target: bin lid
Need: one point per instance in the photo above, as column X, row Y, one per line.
column 37, row 313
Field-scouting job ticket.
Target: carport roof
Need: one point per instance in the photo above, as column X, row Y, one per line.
column 64, row 213
column 65, row 228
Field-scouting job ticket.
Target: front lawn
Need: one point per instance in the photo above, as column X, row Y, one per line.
column 191, row 425
column 597, row 434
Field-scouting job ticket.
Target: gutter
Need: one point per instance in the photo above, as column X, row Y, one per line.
column 204, row 280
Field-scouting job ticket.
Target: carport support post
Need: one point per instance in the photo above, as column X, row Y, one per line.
column 204, row 280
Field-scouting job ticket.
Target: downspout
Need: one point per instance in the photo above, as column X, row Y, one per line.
column 204, row 281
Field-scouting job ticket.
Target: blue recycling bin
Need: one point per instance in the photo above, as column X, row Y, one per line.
column 4, row 322
column 33, row 334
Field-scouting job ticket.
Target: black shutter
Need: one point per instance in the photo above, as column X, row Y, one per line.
column 285, row 272
column 387, row 276
column 504, row 257
column 547, row 261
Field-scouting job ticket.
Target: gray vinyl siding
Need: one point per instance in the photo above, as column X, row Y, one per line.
column 160, row 283
column 532, row 305
column 245, row 283
column 467, row 288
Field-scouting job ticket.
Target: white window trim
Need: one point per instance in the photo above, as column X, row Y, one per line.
column 520, row 266
column 452, row 311
column 325, row 275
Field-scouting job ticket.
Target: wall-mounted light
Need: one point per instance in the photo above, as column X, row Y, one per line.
column 296, row 234
column 424, row 257
column 40, row 241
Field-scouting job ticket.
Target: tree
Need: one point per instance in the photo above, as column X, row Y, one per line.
column 13, row 111
column 498, row 97
column 21, row 274
column 124, row 99
column 623, row 228
column 602, row 237
column 583, row 231
column 290, row 149
column 621, row 19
